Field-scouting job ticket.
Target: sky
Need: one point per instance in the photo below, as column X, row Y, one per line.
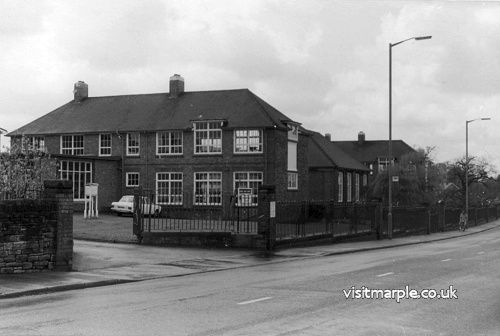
column 322, row 63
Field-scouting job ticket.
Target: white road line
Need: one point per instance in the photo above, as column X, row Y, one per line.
column 482, row 252
column 256, row 300
column 446, row 259
column 385, row 274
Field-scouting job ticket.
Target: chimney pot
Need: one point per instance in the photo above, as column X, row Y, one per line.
column 361, row 138
column 80, row 91
column 176, row 85
column 328, row 136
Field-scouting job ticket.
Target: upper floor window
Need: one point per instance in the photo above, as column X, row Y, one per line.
column 293, row 132
column 105, row 144
column 169, row 143
column 72, row 144
column 207, row 137
column 248, row 141
column 383, row 163
column 133, row 144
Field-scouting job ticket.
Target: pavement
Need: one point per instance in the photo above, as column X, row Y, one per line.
column 97, row 263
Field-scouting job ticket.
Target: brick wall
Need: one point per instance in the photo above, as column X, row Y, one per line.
column 37, row 235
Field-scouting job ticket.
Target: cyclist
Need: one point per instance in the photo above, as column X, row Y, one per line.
column 462, row 224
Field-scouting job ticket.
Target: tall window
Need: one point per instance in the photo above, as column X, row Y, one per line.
column 293, row 138
column 340, row 184
column 365, row 180
column 80, row 173
column 248, row 180
column 207, row 137
column 356, row 187
column 133, row 144
column 72, row 144
column 248, row 141
column 349, row 187
column 169, row 188
column 132, row 179
column 105, row 144
column 208, row 188
column 169, row 143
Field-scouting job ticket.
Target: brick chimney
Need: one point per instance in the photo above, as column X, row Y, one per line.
column 176, row 86
column 361, row 138
column 328, row 136
column 80, row 91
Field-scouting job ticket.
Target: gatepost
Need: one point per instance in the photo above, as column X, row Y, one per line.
column 62, row 193
column 267, row 215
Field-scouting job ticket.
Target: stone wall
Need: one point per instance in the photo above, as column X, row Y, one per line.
column 37, row 235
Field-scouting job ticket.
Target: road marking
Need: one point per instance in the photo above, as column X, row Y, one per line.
column 256, row 300
column 446, row 259
column 385, row 274
column 482, row 252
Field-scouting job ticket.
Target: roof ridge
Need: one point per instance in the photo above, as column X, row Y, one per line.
column 163, row 93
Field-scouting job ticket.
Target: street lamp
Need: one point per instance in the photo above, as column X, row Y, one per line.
column 389, row 214
column 467, row 122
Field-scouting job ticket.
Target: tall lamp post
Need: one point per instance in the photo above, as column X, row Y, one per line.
column 467, row 122
column 389, row 213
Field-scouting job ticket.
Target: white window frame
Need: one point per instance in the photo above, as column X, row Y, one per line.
column 213, row 144
column 101, row 147
column 383, row 163
column 340, row 186
column 127, row 179
column 138, row 146
column 211, row 179
column 293, row 181
column 72, row 150
column 79, row 172
column 356, row 187
column 170, row 149
column 248, row 182
column 349, row 187
column 243, row 138
column 172, row 181
column 36, row 143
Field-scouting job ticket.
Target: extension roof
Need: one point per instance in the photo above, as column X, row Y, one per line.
column 370, row 151
column 323, row 153
column 153, row 112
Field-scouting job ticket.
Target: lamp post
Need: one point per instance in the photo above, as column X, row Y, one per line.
column 389, row 213
column 467, row 122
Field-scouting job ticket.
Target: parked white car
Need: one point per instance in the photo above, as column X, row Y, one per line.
column 126, row 206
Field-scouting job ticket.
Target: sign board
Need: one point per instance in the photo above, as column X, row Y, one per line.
column 272, row 209
column 244, row 196
column 91, row 189
column 395, row 179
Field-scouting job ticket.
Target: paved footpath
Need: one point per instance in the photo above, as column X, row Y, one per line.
column 101, row 264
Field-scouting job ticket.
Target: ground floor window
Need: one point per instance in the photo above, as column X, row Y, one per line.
column 293, row 181
column 80, row 173
column 208, row 188
column 169, row 188
column 132, row 179
column 250, row 180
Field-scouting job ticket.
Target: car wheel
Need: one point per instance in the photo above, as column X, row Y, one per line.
column 119, row 214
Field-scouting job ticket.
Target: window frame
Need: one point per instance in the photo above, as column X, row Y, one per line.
column 101, row 147
column 207, row 195
column 356, row 187
column 127, row 180
column 170, row 186
column 349, row 187
column 170, row 146
column 292, row 180
column 208, row 131
column 76, row 176
column 340, row 187
column 138, row 146
column 248, row 137
column 248, row 180
column 73, row 149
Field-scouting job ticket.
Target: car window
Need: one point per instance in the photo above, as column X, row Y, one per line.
column 127, row 199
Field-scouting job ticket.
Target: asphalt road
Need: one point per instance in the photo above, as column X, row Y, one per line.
column 301, row 297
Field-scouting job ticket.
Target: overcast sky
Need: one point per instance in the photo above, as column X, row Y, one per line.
column 322, row 63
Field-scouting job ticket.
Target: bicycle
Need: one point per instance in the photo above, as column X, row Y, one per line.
column 462, row 223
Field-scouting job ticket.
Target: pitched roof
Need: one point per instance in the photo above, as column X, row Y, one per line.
column 151, row 112
column 370, row 151
column 323, row 153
